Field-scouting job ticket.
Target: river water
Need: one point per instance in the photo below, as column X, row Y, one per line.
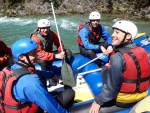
column 14, row 28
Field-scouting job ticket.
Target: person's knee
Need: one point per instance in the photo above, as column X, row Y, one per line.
column 66, row 98
column 43, row 64
column 71, row 92
column 89, row 52
column 41, row 61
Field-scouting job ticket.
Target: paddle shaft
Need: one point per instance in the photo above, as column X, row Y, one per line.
column 90, row 62
column 91, row 71
column 56, row 25
column 66, row 70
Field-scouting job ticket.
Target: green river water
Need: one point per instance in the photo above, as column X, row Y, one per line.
column 14, row 28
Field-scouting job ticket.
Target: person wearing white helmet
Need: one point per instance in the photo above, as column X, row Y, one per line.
column 89, row 36
column 126, row 76
column 46, row 38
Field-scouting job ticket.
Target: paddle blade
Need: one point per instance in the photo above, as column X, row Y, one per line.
column 67, row 75
column 139, row 35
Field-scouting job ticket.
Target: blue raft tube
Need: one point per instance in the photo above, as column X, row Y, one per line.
column 94, row 79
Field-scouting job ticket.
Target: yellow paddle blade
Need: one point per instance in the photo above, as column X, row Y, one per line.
column 83, row 96
column 140, row 34
column 83, row 93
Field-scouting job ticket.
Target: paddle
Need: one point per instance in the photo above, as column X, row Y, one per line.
column 77, row 69
column 66, row 71
column 91, row 71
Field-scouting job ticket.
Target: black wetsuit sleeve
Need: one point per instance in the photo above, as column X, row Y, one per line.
column 112, row 79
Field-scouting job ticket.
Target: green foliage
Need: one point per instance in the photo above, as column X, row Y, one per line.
column 13, row 2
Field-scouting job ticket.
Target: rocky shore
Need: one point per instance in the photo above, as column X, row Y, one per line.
column 128, row 8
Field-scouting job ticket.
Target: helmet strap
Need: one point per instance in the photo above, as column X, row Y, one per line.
column 123, row 43
column 29, row 62
column 27, row 56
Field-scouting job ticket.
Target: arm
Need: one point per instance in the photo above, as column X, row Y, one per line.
column 37, row 94
column 3, row 59
column 45, row 74
column 105, row 35
column 84, row 34
column 41, row 53
column 6, row 51
column 112, row 82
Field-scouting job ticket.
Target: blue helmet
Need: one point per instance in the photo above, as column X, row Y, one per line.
column 23, row 46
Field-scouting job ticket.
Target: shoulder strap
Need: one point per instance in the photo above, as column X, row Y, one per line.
column 83, row 24
column 20, row 72
column 123, row 49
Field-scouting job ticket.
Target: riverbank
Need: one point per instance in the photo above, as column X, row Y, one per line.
column 128, row 9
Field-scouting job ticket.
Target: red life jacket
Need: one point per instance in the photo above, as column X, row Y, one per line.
column 137, row 71
column 93, row 38
column 8, row 104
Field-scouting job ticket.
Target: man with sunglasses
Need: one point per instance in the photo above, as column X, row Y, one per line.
column 89, row 36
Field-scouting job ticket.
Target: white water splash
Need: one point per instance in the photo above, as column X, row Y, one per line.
column 117, row 19
column 16, row 21
column 68, row 25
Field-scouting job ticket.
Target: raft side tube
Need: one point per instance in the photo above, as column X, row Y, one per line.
column 142, row 41
column 94, row 79
column 75, row 60
column 84, row 107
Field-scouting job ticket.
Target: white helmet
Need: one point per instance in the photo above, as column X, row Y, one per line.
column 126, row 26
column 43, row 23
column 94, row 15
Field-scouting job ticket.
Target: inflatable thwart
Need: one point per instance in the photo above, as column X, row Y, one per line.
column 92, row 81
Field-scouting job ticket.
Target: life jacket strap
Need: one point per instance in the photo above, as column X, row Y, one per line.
column 18, row 107
column 137, row 68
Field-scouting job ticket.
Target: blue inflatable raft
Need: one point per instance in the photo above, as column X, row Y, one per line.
column 94, row 79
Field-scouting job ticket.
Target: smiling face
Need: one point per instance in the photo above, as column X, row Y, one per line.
column 118, row 37
column 44, row 31
column 94, row 23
